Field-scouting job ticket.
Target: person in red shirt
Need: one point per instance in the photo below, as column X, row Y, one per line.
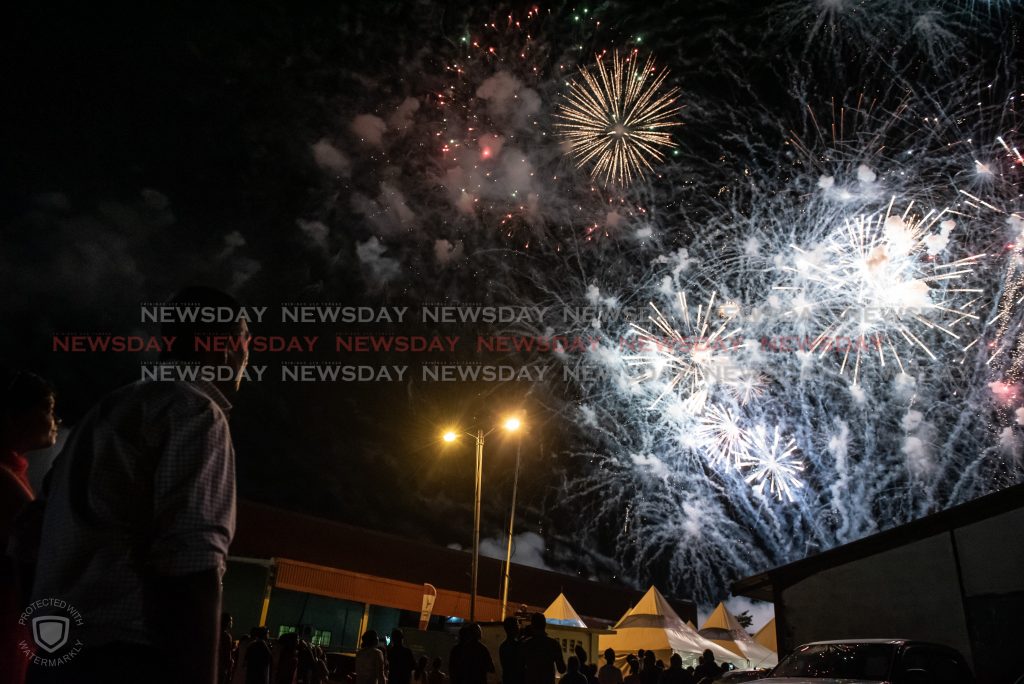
column 27, row 423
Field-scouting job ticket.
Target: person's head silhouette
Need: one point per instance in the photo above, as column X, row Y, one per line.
column 539, row 623
column 27, row 421
column 191, row 332
column 511, row 626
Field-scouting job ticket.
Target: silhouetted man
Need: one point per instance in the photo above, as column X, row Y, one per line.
column 226, row 659
column 609, row 674
column 400, row 658
column 675, row 674
column 649, row 673
column 573, row 674
column 258, row 658
column 140, row 511
column 707, row 671
column 470, row 661
column 510, row 653
column 541, row 654
column 437, row 675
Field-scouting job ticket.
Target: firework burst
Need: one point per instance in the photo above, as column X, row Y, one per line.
column 746, row 385
column 875, row 106
column 617, row 118
column 724, row 436
column 694, row 355
column 774, row 466
column 876, row 281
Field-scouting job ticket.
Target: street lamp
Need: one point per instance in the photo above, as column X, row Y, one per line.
column 510, row 425
column 511, row 522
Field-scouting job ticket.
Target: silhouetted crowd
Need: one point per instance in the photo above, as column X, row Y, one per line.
column 253, row 659
column 529, row 656
column 644, row 668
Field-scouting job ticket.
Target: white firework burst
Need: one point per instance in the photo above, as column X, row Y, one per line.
column 725, row 439
column 693, row 355
column 773, row 464
column 876, row 282
column 746, row 385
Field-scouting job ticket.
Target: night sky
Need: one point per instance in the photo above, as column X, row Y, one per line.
column 292, row 152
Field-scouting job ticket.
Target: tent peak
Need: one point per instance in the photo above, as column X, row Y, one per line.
column 561, row 612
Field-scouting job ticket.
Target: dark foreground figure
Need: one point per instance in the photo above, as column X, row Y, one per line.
column 139, row 514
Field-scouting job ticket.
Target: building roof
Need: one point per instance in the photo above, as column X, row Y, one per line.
column 762, row 586
column 268, row 532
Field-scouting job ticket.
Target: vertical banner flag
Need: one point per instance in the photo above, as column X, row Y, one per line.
column 429, row 595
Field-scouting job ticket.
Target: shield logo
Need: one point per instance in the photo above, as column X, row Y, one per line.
column 50, row 632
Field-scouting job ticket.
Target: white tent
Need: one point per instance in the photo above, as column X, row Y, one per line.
column 653, row 625
column 724, row 629
column 561, row 612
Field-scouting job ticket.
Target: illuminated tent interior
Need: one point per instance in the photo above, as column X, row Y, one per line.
column 652, row 625
column 724, row 629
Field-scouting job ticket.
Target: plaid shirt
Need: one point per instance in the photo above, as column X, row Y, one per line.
column 145, row 485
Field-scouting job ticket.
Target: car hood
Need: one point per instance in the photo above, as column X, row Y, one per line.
column 805, row 680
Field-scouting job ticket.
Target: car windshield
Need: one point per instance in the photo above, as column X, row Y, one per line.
column 839, row 661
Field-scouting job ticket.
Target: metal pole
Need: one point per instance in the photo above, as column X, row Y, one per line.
column 511, row 523
column 476, row 521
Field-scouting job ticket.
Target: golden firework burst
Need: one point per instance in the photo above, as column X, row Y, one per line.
column 617, row 118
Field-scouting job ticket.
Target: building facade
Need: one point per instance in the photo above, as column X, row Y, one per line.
column 289, row 571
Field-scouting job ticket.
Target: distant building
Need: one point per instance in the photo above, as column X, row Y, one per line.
column 955, row 577
column 289, row 570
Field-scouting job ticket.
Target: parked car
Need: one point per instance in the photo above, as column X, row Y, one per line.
column 743, row 676
column 894, row 661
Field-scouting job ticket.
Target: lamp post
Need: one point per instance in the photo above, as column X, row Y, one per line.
column 511, row 424
column 511, row 523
